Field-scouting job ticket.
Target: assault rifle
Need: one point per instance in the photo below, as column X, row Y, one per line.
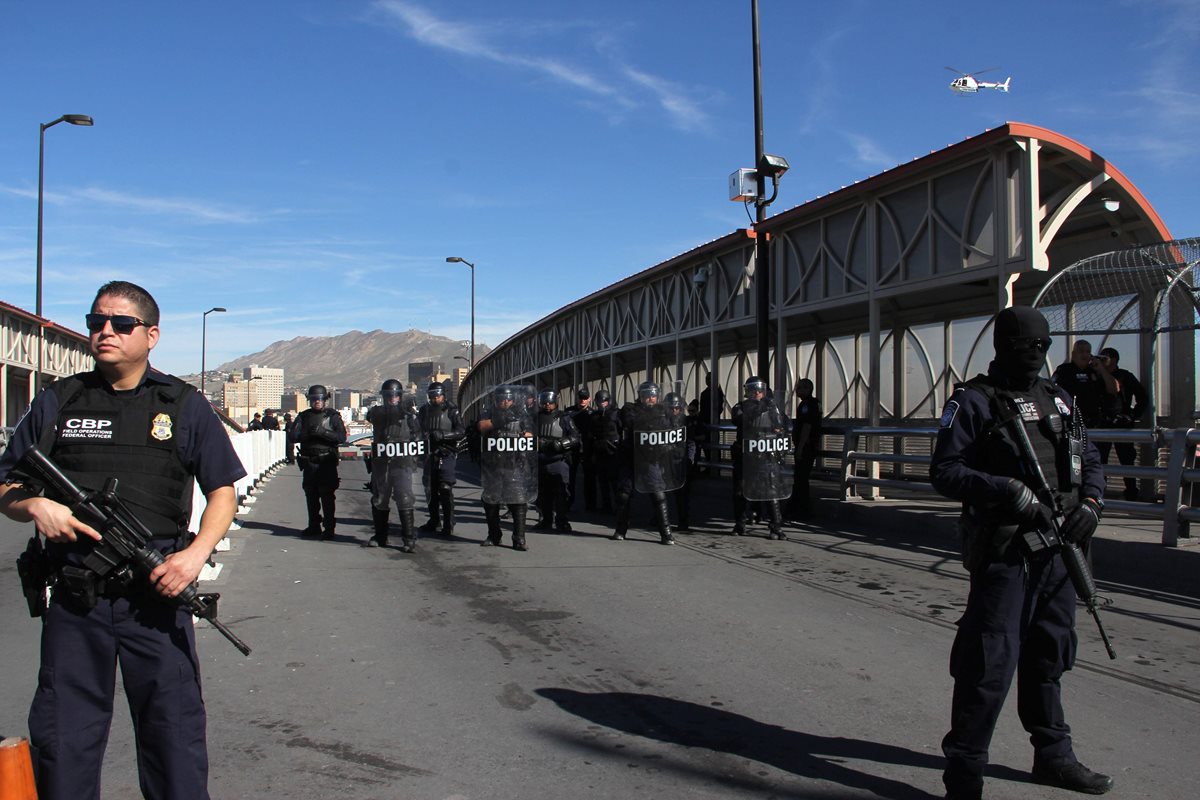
column 124, row 547
column 1073, row 558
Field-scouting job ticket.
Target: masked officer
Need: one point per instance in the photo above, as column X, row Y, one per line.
column 756, row 470
column 443, row 429
column 1020, row 614
column 806, row 439
column 556, row 439
column 398, row 447
column 508, row 462
column 646, row 463
column 153, row 433
column 319, row 430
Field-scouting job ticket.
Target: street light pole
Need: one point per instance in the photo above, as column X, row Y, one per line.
column 73, row 119
column 203, row 337
column 453, row 260
column 248, row 380
column 762, row 267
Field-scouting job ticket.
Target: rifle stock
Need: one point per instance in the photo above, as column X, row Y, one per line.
column 124, row 546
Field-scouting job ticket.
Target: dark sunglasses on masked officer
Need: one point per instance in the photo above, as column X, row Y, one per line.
column 1025, row 344
column 121, row 323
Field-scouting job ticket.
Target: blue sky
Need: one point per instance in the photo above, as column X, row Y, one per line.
column 309, row 165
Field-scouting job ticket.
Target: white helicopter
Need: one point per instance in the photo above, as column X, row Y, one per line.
column 968, row 84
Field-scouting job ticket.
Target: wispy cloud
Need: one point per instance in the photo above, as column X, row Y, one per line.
column 622, row 87
column 175, row 206
column 869, row 154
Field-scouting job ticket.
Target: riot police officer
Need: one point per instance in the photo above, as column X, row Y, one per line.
column 508, row 461
column 581, row 413
column 651, row 459
column 759, row 448
column 677, row 416
column 604, row 438
column 319, row 430
column 443, row 429
column 398, row 447
column 556, row 440
column 1020, row 613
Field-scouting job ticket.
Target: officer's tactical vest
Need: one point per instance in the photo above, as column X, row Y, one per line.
column 1046, row 419
column 316, row 433
column 550, row 426
column 437, row 418
column 130, row 437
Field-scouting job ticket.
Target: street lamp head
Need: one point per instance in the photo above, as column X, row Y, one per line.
column 459, row 260
column 772, row 166
column 79, row 119
column 217, row 308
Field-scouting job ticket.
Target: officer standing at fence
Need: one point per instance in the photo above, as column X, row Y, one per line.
column 1126, row 412
column 319, row 431
column 397, row 449
column 557, row 439
column 443, row 428
column 153, row 433
column 1020, row 614
column 806, row 441
column 678, row 416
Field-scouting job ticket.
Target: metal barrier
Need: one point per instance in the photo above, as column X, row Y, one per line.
column 1179, row 477
column 259, row 452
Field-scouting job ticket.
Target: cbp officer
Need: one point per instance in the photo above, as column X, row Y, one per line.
column 604, row 436
column 153, row 433
column 319, row 430
column 443, row 429
column 581, row 414
column 1020, row 614
column 556, row 440
column 678, row 416
column 397, row 445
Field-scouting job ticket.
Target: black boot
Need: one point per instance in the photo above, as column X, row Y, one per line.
column 491, row 513
column 664, row 521
column 379, row 516
column 518, row 515
column 622, row 517
column 1071, row 775
column 447, row 494
column 435, row 516
column 408, row 531
column 775, row 523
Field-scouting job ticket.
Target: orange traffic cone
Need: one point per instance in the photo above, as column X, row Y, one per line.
column 16, row 770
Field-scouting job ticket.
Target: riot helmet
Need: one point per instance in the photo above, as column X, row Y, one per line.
column 502, row 394
column 548, row 397
column 582, row 393
column 317, row 393
column 647, row 393
column 754, row 385
column 673, row 401
column 391, row 391
column 436, row 390
column 603, row 397
column 1021, row 336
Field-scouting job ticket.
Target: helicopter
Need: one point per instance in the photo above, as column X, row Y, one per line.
column 968, row 84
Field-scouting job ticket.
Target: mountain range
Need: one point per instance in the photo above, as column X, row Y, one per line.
column 356, row 360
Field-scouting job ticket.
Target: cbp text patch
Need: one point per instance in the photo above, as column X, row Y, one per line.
column 93, row 427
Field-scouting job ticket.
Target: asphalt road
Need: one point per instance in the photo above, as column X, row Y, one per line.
column 586, row 668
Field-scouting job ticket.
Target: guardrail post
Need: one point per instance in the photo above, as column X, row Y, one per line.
column 1173, row 494
column 849, row 444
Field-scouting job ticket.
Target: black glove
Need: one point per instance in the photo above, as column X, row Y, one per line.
column 1025, row 508
column 435, row 437
column 1081, row 523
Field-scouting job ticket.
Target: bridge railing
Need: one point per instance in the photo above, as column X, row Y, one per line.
column 1175, row 475
column 259, row 452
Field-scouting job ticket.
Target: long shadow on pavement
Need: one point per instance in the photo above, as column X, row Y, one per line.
column 808, row 755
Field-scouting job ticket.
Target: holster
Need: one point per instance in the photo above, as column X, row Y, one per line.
column 983, row 541
column 33, row 567
column 78, row 587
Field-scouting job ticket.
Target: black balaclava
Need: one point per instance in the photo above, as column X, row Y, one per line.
column 1015, row 327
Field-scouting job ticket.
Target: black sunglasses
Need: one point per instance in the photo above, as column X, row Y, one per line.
column 121, row 323
column 1025, row 344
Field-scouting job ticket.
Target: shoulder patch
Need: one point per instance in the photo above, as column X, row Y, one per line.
column 948, row 413
column 1062, row 406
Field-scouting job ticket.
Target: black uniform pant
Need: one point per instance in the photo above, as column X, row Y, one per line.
column 801, row 499
column 320, row 482
column 1127, row 455
column 440, row 477
column 553, row 477
column 154, row 644
column 1016, row 621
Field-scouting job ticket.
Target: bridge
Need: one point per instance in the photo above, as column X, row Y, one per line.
column 880, row 292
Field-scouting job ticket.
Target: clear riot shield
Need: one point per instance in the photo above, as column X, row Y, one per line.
column 508, row 448
column 396, row 456
column 659, row 450
column 766, row 447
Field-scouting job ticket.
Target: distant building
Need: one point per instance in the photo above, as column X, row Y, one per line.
column 239, row 398
column 293, row 401
column 347, row 398
column 420, row 373
column 270, row 383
